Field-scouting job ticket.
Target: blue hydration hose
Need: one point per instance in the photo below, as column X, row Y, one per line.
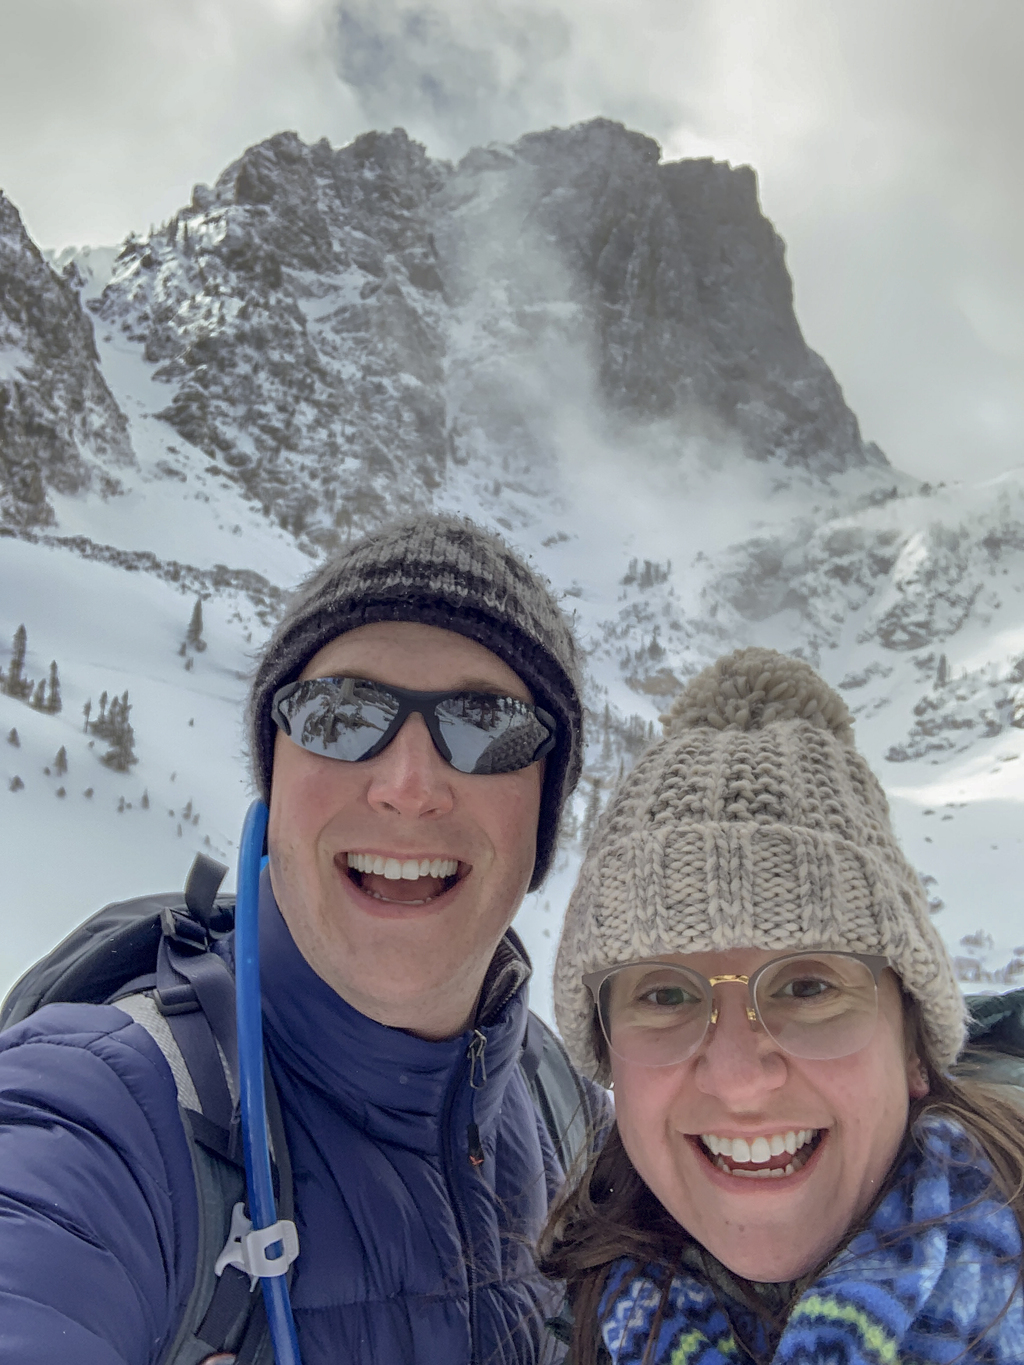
column 249, row 1012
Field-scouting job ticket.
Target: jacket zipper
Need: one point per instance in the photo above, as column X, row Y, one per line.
column 475, row 1054
column 477, row 1065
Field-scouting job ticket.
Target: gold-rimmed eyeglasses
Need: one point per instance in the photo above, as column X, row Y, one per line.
column 819, row 1004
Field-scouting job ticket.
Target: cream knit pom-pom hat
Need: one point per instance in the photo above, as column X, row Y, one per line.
column 753, row 823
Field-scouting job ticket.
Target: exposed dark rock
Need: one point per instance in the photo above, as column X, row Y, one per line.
column 60, row 427
column 683, row 282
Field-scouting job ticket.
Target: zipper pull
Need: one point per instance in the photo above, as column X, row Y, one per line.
column 476, row 1060
column 476, row 1148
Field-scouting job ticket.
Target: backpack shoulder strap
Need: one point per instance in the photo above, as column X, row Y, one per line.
column 189, row 1014
column 559, row 1093
column 220, row 1185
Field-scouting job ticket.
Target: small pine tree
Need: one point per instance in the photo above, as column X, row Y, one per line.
column 16, row 784
column 121, row 754
column 606, row 727
column 16, row 684
column 38, row 702
column 942, row 672
column 144, row 803
column 592, row 811
column 86, row 712
column 60, row 763
column 13, row 738
column 53, row 701
column 194, row 634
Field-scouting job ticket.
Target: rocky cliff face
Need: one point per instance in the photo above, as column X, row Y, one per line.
column 338, row 329
column 60, row 427
column 685, row 302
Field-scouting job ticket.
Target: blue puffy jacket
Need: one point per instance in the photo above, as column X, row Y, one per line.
column 410, row 1254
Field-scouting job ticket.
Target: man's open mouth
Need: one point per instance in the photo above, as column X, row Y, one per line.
column 403, row 881
column 768, row 1157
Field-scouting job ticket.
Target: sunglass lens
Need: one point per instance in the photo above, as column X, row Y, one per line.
column 653, row 1014
column 487, row 734
column 339, row 718
column 819, row 1007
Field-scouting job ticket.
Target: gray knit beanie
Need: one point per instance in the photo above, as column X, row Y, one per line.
column 441, row 571
column 753, row 823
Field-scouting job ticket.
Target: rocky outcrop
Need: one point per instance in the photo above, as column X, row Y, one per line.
column 60, row 427
column 340, row 329
column 294, row 312
column 686, row 303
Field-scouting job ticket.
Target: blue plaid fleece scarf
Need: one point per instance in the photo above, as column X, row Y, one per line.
column 899, row 1293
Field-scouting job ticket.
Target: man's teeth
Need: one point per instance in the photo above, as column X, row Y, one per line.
column 409, row 870
column 760, row 1150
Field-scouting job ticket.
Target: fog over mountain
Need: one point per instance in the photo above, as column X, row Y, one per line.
column 567, row 337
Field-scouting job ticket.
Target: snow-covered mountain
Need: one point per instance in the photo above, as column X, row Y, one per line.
column 567, row 338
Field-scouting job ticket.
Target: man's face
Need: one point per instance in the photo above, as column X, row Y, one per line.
column 409, row 953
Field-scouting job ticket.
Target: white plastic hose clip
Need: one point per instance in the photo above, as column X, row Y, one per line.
column 247, row 1249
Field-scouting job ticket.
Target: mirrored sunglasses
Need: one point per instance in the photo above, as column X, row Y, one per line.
column 353, row 719
column 818, row 1005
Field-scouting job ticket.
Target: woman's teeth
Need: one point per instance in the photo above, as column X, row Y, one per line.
column 410, row 870
column 760, row 1150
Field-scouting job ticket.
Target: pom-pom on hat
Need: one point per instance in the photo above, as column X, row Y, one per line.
column 752, row 823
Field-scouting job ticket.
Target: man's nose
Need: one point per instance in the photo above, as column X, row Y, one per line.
column 410, row 777
column 737, row 1062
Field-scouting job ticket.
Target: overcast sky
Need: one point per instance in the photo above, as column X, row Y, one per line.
column 887, row 136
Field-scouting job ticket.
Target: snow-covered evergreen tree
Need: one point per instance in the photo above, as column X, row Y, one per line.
column 118, row 729
column 53, row 702
column 15, row 684
column 194, row 634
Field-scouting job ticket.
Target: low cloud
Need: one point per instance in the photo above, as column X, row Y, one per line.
column 452, row 81
column 459, row 73
column 887, row 140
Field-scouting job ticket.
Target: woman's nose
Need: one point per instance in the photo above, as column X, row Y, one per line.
column 737, row 1058
column 410, row 777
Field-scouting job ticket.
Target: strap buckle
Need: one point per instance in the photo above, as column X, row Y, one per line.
column 183, row 930
column 246, row 1247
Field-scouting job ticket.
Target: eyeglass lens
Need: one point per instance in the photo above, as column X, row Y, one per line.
column 345, row 717
column 818, row 1007
column 488, row 734
column 341, row 720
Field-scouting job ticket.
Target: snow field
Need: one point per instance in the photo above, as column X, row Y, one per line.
column 110, row 631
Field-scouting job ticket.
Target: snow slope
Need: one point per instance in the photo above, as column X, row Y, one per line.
column 672, row 535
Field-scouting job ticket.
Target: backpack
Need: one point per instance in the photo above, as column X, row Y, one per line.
column 151, row 957
column 995, row 1043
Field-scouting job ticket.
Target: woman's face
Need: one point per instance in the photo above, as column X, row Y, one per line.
column 851, row 1114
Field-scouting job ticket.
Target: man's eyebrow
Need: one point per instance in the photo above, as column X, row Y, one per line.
column 480, row 685
column 464, row 684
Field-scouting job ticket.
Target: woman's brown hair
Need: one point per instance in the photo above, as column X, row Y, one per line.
column 609, row 1213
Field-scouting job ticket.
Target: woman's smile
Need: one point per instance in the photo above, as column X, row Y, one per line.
column 765, row 1157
